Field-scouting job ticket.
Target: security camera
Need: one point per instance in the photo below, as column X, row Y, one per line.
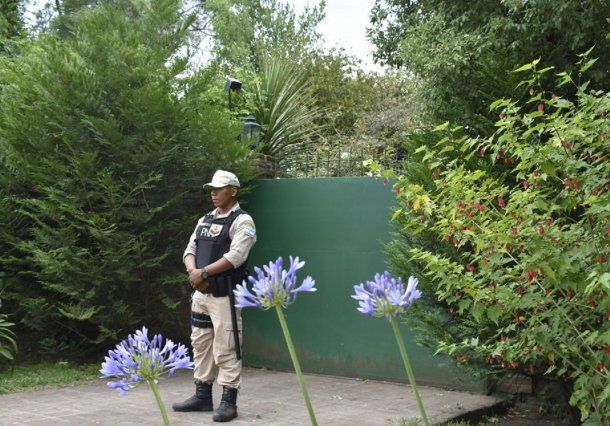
column 232, row 85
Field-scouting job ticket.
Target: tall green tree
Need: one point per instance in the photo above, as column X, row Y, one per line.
column 245, row 32
column 104, row 144
column 11, row 23
column 461, row 53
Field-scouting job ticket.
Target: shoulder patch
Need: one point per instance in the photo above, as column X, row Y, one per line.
column 249, row 231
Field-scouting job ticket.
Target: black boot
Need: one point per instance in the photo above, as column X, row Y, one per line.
column 227, row 410
column 201, row 401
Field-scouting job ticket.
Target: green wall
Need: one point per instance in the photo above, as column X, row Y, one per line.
column 338, row 226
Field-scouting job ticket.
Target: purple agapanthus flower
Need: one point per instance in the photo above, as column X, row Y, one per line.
column 273, row 286
column 386, row 295
column 138, row 359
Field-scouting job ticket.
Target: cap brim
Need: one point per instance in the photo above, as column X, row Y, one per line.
column 211, row 185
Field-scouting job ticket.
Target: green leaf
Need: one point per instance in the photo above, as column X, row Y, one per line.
column 493, row 313
column 440, row 127
column 524, row 67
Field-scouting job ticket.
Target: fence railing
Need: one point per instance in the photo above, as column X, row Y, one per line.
column 330, row 163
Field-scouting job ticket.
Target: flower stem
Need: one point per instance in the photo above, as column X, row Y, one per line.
column 295, row 362
column 155, row 390
column 405, row 360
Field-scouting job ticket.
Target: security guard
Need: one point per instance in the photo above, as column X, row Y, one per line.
column 215, row 260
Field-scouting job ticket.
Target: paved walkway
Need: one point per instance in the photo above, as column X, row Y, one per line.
column 267, row 398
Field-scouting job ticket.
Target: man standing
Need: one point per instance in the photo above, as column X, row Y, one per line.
column 215, row 260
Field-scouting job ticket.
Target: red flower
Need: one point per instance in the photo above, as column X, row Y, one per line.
column 532, row 369
column 480, row 208
column 470, row 267
column 503, row 338
column 595, row 191
column 385, row 181
column 520, row 293
column 526, row 184
column 607, row 349
column 485, row 262
column 513, row 231
column 573, row 183
column 421, row 218
column 569, row 294
column 540, row 107
column 455, row 241
column 592, row 302
column 536, row 173
column 541, row 230
column 397, row 191
column 549, row 222
column 531, row 274
column 447, row 237
column 501, row 202
column 437, row 172
column 460, row 204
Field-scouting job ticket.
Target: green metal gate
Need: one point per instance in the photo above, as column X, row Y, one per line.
column 338, row 226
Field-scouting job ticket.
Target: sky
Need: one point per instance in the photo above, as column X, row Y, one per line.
column 345, row 26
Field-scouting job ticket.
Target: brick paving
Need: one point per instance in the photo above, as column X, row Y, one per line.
column 266, row 398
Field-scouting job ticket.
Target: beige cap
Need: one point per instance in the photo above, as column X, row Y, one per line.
column 221, row 179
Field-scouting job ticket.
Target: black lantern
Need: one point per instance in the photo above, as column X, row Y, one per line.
column 251, row 131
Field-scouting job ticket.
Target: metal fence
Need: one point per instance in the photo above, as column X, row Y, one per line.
column 329, row 163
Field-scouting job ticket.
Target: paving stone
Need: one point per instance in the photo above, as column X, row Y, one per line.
column 266, row 398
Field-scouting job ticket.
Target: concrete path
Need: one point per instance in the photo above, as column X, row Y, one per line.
column 267, row 398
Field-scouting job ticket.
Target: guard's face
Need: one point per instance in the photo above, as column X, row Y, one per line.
column 223, row 197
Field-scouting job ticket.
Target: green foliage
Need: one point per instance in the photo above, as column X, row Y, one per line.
column 104, row 139
column 245, row 32
column 283, row 104
column 11, row 23
column 458, row 52
column 8, row 345
column 35, row 376
column 512, row 233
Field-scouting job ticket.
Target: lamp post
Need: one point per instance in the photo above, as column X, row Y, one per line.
column 232, row 85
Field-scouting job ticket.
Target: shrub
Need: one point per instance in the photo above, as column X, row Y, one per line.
column 105, row 144
column 516, row 230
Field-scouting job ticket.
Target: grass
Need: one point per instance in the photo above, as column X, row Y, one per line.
column 45, row 374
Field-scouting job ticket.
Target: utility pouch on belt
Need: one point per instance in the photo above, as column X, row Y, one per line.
column 201, row 320
column 219, row 286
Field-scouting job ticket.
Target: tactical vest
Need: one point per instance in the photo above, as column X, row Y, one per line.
column 212, row 242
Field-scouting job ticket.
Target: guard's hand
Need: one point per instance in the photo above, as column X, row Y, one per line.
column 197, row 281
column 194, row 275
